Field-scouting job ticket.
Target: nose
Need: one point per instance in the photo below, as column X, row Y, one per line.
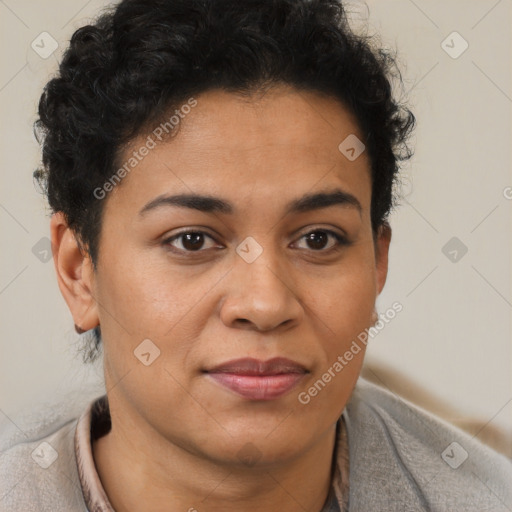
column 260, row 297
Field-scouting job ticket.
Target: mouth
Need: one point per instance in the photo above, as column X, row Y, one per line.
column 258, row 380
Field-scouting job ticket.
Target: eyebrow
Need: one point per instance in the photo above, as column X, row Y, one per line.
column 209, row 204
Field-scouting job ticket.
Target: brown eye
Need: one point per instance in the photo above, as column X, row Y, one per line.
column 189, row 241
column 192, row 241
column 318, row 240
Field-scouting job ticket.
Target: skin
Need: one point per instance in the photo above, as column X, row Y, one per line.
column 176, row 434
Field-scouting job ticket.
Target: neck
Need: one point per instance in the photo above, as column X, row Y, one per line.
column 152, row 473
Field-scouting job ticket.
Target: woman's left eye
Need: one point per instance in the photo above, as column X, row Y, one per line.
column 318, row 240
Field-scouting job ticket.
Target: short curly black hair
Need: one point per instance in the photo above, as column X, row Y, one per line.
column 142, row 58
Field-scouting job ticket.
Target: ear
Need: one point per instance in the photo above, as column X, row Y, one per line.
column 75, row 274
column 382, row 242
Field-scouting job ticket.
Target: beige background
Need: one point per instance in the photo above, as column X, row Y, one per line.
column 450, row 348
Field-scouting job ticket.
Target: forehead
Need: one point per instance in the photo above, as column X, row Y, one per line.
column 278, row 118
column 271, row 146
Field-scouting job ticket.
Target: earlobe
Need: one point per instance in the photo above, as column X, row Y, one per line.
column 381, row 255
column 75, row 275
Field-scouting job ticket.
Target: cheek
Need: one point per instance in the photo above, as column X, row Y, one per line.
column 143, row 299
column 345, row 308
column 348, row 298
column 149, row 298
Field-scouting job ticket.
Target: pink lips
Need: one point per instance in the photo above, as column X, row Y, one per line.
column 258, row 380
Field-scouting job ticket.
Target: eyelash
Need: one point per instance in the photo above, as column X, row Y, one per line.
column 341, row 241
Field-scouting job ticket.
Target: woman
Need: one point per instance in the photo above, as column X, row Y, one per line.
column 221, row 174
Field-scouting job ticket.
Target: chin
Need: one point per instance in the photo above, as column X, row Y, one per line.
column 264, row 447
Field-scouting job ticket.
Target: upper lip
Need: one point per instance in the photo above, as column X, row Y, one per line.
column 250, row 366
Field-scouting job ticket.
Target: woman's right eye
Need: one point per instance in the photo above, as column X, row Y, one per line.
column 189, row 241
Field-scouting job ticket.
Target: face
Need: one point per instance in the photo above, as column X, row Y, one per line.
column 247, row 297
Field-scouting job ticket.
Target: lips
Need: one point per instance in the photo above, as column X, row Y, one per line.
column 258, row 380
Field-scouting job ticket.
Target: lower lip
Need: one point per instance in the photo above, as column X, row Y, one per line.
column 258, row 387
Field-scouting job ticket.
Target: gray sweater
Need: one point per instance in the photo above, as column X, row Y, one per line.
column 401, row 459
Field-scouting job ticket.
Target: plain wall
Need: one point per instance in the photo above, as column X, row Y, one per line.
column 453, row 338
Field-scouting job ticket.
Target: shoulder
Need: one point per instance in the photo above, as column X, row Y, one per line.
column 402, row 455
column 38, row 467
